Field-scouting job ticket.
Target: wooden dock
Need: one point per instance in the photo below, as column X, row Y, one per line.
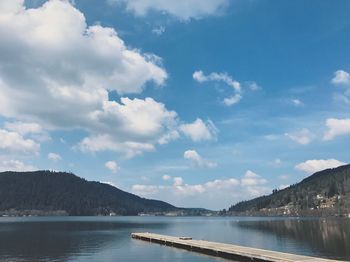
column 228, row 251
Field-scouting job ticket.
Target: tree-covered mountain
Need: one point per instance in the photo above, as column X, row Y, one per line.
column 46, row 192
column 324, row 193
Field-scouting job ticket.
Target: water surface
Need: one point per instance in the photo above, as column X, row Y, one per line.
column 108, row 238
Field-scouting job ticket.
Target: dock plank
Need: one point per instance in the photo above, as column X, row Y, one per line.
column 227, row 251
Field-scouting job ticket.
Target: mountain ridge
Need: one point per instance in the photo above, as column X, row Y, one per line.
column 324, row 193
column 51, row 192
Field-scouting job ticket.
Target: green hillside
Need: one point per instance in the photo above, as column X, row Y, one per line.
column 322, row 194
column 45, row 192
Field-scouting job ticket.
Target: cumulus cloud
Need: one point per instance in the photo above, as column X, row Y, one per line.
column 24, row 128
column 178, row 181
column 235, row 86
column 168, row 137
column 336, row 127
column 14, row 165
column 107, row 143
column 112, row 166
column 56, row 73
column 166, row 177
column 54, row 157
column 182, row 9
column 199, row 130
column 312, row 166
column 33, row 130
column 303, row 136
column 198, row 160
column 224, row 191
column 12, row 142
column 297, row 102
column 229, row 101
column 180, row 188
column 252, row 179
column 200, row 77
column 341, row 77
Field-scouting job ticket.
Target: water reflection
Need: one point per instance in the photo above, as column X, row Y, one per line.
column 326, row 237
column 83, row 239
column 62, row 240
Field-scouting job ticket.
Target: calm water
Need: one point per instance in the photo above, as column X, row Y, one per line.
column 108, row 238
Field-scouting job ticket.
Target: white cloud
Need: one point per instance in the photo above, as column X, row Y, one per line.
column 303, row 136
column 199, row 130
column 71, row 90
column 144, row 190
column 112, row 166
column 236, row 86
column 341, row 77
column 158, row 30
column 107, row 143
column 137, row 118
column 254, row 185
column 33, row 130
column 312, row 166
column 297, row 102
column 252, row 179
column 24, row 128
column 229, row 101
column 12, row 142
column 200, row 77
column 81, row 56
column 168, row 137
column 223, row 191
column 14, row 165
column 336, row 127
column 182, row 9
column 222, row 184
column 178, row 181
column 54, row 157
column 198, row 160
column 166, row 177
column 253, row 86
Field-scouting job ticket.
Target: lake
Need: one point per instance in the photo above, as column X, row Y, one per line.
column 108, row 238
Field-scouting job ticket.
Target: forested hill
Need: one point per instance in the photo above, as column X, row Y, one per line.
column 45, row 192
column 324, row 193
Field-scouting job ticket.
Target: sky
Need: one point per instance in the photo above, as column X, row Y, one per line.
column 200, row 103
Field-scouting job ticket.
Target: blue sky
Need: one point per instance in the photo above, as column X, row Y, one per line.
column 199, row 103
